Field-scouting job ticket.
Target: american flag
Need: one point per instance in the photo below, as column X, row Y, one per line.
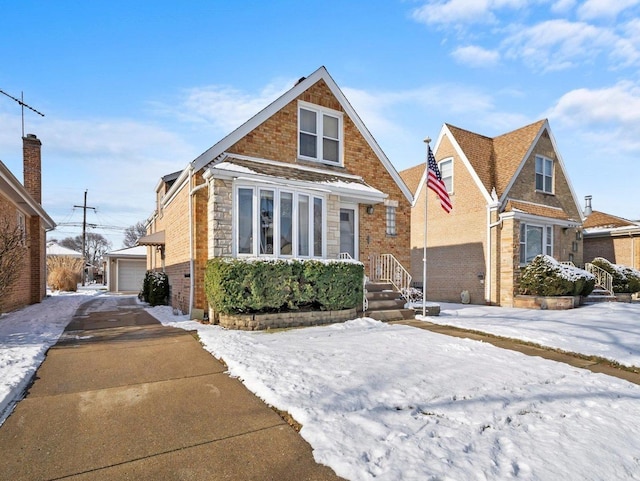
column 434, row 182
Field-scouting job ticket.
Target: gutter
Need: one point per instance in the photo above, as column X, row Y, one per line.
column 192, row 191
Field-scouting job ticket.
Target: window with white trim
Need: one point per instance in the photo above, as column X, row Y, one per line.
column 278, row 222
column 319, row 133
column 544, row 174
column 446, row 172
column 535, row 240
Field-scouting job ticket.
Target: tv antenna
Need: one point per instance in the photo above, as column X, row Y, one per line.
column 22, row 106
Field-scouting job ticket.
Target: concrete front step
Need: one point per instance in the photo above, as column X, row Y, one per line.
column 378, row 286
column 383, row 304
column 383, row 295
column 391, row 314
column 599, row 298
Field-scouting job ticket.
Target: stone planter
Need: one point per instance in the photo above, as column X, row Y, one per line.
column 623, row 296
column 555, row 303
column 256, row 322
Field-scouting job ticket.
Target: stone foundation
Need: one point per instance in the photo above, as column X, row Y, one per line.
column 555, row 303
column 256, row 322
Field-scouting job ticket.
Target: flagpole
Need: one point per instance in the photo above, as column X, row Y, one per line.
column 424, row 252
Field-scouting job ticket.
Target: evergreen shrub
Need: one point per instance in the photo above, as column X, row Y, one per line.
column 155, row 288
column 625, row 279
column 235, row 286
column 544, row 276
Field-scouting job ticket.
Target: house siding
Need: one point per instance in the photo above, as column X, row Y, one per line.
column 30, row 285
column 619, row 250
column 456, row 242
column 277, row 139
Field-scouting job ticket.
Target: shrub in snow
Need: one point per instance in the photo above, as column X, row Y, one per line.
column 625, row 279
column 545, row 276
column 155, row 288
column 235, row 286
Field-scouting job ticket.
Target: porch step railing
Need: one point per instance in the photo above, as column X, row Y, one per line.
column 603, row 278
column 386, row 268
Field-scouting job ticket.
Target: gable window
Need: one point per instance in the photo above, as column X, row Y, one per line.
column 535, row 240
column 319, row 133
column 274, row 222
column 446, row 171
column 544, row 174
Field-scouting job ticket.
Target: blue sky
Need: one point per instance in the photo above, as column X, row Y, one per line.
column 133, row 90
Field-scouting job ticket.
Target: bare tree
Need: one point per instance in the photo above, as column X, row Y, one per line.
column 133, row 233
column 96, row 245
column 11, row 255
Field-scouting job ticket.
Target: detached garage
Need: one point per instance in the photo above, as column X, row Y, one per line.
column 125, row 269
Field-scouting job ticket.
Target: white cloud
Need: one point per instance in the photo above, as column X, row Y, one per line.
column 594, row 9
column 223, row 107
column 560, row 44
column 609, row 115
column 475, row 56
column 465, row 11
column 455, row 11
column 562, row 6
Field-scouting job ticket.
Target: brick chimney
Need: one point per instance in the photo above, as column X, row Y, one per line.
column 32, row 166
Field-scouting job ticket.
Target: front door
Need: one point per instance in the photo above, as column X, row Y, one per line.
column 348, row 231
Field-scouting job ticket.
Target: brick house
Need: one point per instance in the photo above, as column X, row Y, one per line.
column 20, row 207
column 512, row 199
column 303, row 178
column 614, row 238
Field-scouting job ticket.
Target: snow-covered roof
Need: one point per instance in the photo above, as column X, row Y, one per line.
column 54, row 249
column 137, row 251
column 346, row 185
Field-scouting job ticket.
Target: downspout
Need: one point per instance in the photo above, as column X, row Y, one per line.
column 488, row 279
column 192, row 191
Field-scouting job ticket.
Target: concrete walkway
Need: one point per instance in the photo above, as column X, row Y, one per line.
column 122, row 397
column 591, row 363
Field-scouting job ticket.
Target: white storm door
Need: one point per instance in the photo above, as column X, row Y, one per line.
column 348, row 230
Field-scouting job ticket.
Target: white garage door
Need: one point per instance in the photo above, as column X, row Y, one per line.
column 131, row 274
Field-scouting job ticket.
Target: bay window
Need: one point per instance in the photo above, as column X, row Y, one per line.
column 278, row 222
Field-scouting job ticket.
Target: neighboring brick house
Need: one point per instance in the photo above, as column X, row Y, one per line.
column 614, row 238
column 303, row 178
column 20, row 207
column 512, row 199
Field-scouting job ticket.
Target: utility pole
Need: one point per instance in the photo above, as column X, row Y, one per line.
column 84, row 233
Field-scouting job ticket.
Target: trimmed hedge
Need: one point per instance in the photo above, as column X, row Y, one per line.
column 235, row 286
column 625, row 279
column 155, row 288
column 545, row 276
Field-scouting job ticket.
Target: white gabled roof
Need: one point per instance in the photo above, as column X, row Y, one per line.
column 54, row 249
column 137, row 251
column 304, row 84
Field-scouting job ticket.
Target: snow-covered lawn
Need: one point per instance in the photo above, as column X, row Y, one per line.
column 390, row 402
column 610, row 329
